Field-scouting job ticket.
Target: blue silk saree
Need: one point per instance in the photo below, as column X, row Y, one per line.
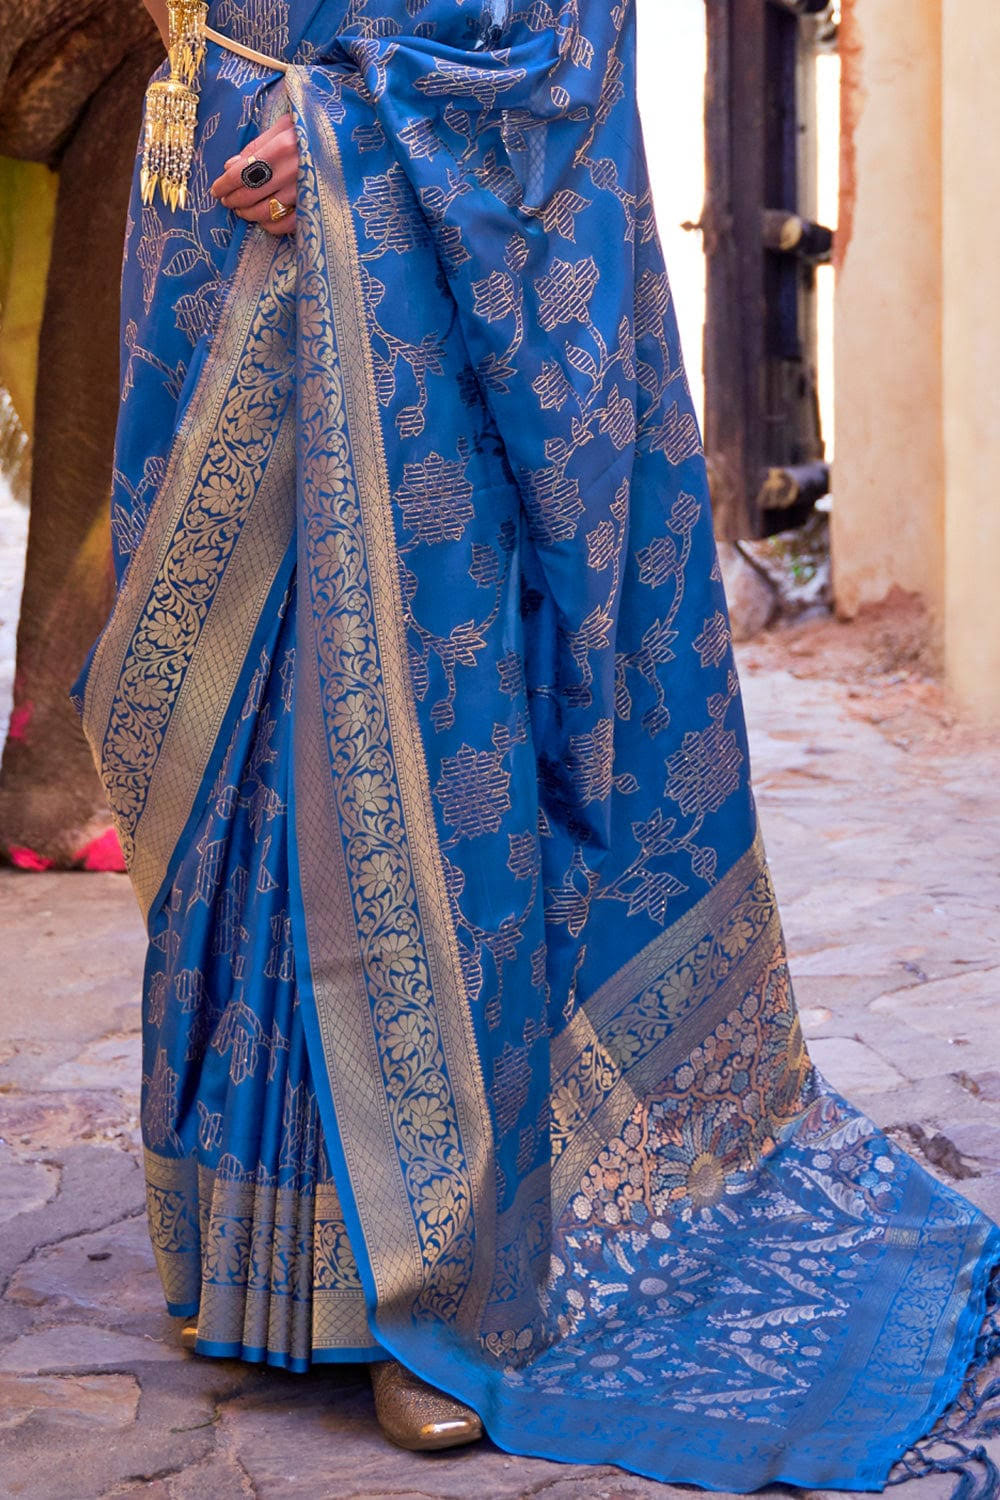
column 468, row 1030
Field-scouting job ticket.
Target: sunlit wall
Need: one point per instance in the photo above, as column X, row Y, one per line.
column 671, row 47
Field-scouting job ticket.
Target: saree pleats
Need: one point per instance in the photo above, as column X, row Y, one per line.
column 468, row 1032
column 244, row 1214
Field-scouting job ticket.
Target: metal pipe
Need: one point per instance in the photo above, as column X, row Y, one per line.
column 803, row 7
column 793, row 485
column 790, row 234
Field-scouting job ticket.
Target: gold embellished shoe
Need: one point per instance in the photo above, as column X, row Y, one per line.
column 189, row 1335
column 414, row 1415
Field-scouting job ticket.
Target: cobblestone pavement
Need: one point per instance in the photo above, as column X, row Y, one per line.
column 882, row 822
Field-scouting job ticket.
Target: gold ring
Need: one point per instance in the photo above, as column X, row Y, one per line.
column 277, row 210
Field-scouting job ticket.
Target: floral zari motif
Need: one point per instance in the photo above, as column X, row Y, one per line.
column 469, row 1033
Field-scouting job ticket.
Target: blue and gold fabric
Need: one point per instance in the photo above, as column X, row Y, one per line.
column 468, row 1031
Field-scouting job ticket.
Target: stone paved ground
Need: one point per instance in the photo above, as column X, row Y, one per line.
column 882, row 821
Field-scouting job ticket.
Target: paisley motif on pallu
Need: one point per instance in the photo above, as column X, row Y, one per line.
column 468, row 1031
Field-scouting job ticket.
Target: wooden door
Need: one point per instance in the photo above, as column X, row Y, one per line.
column 762, row 426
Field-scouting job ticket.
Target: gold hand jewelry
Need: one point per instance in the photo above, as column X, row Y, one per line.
column 277, row 210
column 172, row 107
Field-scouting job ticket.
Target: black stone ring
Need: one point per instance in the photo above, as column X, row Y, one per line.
column 256, row 174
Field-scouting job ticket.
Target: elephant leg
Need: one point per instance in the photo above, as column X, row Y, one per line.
column 52, row 806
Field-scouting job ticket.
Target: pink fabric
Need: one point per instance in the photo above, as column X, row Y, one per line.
column 102, row 853
column 19, row 720
column 27, row 859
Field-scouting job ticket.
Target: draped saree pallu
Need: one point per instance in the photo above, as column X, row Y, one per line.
column 468, row 1032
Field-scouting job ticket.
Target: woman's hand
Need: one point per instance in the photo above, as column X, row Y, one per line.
column 280, row 149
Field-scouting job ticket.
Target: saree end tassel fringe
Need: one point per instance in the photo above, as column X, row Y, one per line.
column 957, row 1444
column 172, row 108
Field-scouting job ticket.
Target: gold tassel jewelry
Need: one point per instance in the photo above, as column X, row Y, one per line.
column 187, row 38
column 172, row 107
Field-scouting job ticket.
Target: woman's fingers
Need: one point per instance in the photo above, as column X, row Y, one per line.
column 278, row 147
column 282, row 226
column 282, row 185
column 284, row 163
column 260, row 213
column 282, row 158
column 281, row 124
column 259, row 147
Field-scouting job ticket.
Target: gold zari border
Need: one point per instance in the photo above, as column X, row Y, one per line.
column 406, row 1249
column 153, row 765
column 651, row 963
column 612, row 1080
column 647, row 1019
column 255, row 1259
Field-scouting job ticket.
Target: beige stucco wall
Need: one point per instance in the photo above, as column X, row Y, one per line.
column 887, row 522
column 971, row 354
column 917, row 324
